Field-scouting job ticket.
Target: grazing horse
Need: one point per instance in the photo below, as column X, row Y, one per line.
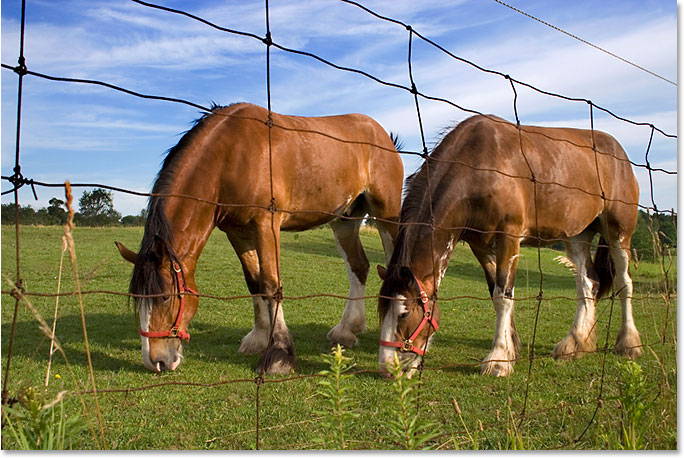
column 221, row 174
column 496, row 187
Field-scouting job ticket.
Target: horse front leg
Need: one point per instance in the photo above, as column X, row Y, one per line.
column 353, row 320
column 506, row 342
column 256, row 340
column 279, row 356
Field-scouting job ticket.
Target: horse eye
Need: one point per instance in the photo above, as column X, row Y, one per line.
column 165, row 299
column 403, row 315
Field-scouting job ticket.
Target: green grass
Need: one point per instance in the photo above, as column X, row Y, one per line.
column 562, row 395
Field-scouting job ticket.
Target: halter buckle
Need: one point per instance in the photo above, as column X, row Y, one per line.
column 407, row 345
column 174, row 332
column 427, row 314
column 176, row 267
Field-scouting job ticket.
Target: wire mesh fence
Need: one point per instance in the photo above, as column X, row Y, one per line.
column 23, row 296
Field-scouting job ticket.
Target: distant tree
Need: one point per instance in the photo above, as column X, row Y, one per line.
column 27, row 215
column 57, row 213
column 8, row 213
column 662, row 224
column 97, row 209
column 135, row 220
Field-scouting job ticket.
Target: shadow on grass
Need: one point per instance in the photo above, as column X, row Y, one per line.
column 115, row 343
column 471, row 272
column 328, row 249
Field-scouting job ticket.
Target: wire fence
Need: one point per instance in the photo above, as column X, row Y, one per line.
column 17, row 180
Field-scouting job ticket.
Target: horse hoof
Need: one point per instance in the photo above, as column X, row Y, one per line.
column 277, row 361
column 254, row 342
column 497, row 369
column 344, row 337
column 629, row 345
column 573, row 347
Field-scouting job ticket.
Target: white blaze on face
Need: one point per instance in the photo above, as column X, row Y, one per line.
column 389, row 329
column 144, row 311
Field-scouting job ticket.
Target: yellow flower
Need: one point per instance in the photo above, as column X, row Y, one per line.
column 58, row 376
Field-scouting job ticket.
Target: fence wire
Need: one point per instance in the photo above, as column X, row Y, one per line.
column 17, row 180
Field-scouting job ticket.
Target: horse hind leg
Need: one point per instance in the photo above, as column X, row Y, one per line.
column 353, row 319
column 385, row 206
column 581, row 338
column 628, row 341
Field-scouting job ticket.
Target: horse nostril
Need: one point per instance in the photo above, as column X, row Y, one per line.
column 160, row 365
column 166, row 363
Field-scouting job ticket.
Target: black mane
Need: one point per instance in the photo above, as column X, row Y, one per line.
column 158, row 237
column 415, row 217
column 415, row 208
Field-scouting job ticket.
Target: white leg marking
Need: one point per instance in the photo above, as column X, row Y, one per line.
column 256, row 340
column 628, row 342
column 499, row 362
column 353, row 319
column 582, row 335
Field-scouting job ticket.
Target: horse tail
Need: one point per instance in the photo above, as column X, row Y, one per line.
column 603, row 266
column 398, row 142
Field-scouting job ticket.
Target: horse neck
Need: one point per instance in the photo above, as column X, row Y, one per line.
column 191, row 226
column 189, row 210
column 434, row 222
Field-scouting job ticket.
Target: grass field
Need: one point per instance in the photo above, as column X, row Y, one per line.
column 561, row 400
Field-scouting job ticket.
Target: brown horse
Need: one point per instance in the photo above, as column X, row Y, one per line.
column 221, row 174
column 496, row 187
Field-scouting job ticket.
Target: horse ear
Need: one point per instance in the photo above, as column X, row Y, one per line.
column 128, row 255
column 406, row 274
column 382, row 272
column 159, row 249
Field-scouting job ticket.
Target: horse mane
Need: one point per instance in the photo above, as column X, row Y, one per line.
column 415, row 208
column 158, row 235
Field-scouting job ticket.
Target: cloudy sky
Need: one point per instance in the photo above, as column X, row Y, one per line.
column 91, row 134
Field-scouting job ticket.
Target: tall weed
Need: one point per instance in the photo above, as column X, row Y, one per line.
column 339, row 406
column 35, row 426
column 407, row 426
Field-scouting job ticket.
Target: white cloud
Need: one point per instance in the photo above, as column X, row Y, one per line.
column 156, row 52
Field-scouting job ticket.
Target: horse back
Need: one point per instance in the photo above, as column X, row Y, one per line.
column 534, row 181
column 310, row 164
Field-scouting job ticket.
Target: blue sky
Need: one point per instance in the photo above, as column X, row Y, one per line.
column 90, row 134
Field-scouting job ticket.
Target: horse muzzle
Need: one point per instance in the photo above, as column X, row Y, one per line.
column 160, row 358
column 161, row 365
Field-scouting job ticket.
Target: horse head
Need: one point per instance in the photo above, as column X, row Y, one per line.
column 165, row 303
column 408, row 318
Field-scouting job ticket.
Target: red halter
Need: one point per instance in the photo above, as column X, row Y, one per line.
column 407, row 345
column 175, row 331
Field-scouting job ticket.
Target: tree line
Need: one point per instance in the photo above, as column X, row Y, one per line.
column 96, row 208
